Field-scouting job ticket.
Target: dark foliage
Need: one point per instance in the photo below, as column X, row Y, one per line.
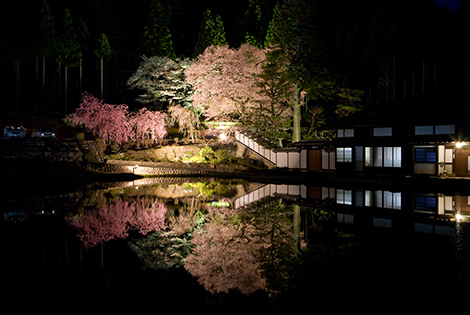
column 391, row 50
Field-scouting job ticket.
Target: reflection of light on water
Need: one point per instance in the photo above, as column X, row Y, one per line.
column 458, row 257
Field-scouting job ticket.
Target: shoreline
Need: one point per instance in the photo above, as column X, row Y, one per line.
column 40, row 175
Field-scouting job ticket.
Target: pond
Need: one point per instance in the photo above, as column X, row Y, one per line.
column 229, row 246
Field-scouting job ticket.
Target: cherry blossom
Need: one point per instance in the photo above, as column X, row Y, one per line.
column 148, row 124
column 223, row 257
column 115, row 220
column 114, row 123
column 223, row 80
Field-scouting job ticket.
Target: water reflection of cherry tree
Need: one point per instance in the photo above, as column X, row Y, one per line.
column 114, row 220
column 169, row 247
column 224, row 254
column 224, row 248
column 243, row 249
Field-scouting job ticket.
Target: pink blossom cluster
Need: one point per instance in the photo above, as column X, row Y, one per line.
column 224, row 256
column 224, row 80
column 114, row 220
column 114, row 123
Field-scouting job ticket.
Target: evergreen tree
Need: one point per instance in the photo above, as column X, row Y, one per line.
column 103, row 52
column 254, row 24
column 156, row 39
column 272, row 118
column 294, row 44
column 270, row 30
column 219, row 32
column 68, row 48
column 46, row 41
column 83, row 34
column 204, row 38
column 69, row 51
column 162, row 82
column 211, row 32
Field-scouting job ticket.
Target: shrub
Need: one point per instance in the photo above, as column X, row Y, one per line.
column 221, row 156
column 207, row 153
column 197, row 159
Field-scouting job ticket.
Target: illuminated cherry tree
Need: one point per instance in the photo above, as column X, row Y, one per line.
column 148, row 216
column 114, row 123
column 101, row 225
column 148, row 124
column 114, row 220
column 223, row 81
column 102, row 120
column 186, row 119
column 224, row 255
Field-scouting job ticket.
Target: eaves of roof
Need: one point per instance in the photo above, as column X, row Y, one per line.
column 405, row 114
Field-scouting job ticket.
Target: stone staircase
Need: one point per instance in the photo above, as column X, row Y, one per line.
column 94, row 149
column 91, row 152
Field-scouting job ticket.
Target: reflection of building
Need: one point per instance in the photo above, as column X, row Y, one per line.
column 382, row 208
column 422, row 212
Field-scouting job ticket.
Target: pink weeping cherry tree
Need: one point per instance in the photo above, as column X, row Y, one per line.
column 115, row 220
column 114, row 123
column 102, row 120
column 148, row 124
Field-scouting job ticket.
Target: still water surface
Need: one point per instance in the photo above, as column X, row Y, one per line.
column 226, row 247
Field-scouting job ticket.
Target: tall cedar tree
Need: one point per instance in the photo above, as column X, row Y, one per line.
column 272, row 117
column 294, row 44
column 270, row 30
column 68, row 47
column 69, row 51
column 211, row 32
column 103, row 52
column 255, row 25
column 156, row 39
column 46, row 43
column 83, row 35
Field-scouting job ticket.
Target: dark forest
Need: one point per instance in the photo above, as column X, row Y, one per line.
column 391, row 50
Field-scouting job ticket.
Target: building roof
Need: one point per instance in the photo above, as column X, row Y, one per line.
column 406, row 113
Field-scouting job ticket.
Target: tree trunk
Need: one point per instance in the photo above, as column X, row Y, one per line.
column 81, row 76
column 65, row 90
column 60, row 77
column 43, row 70
column 37, row 85
column 17, row 85
column 101, row 66
column 296, row 131
column 297, row 229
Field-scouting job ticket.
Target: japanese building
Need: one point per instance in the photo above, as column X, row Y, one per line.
column 409, row 139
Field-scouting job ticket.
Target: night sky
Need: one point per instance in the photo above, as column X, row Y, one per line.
column 452, row 4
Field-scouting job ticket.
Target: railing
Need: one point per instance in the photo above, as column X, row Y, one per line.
column 266, row 153
column 288, row 157
column 271, row 190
